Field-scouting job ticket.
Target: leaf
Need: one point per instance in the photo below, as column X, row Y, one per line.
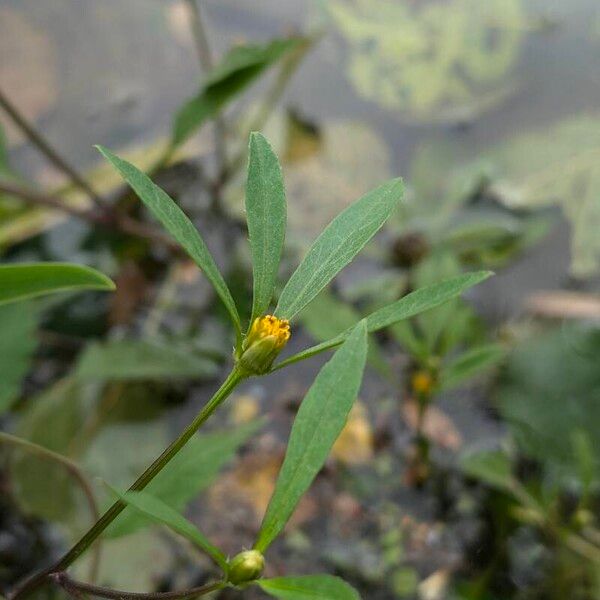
column 28, row 280
column 309, row 587
column 320, row 419
column 238, row 69
column 492, row 467
column 470, row 364
column 156, row 510
column 412, row 304
column 126, row 360
column 339, row 243
column 193, row 469
column 178, row 225
column 266, row 214
column 17, row 344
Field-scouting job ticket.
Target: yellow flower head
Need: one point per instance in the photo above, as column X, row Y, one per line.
column 422, row 383
column 265, row 340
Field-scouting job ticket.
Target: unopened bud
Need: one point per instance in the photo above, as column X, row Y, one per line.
column 265, row 340
column 245, row 567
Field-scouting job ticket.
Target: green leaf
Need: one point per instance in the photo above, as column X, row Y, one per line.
column 470, row 364
column 193, row 469
column 339, row 243
column 492, row 467
column 266, row 214
column 320, row 419
column 29, row 280
column 126, row 360
column 239, row 68
column 159, row 512
column 177, row 224
column 309, row 587
column 17, row 343
column 412, row 304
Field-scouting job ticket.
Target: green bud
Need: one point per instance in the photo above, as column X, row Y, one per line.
column 246, row 567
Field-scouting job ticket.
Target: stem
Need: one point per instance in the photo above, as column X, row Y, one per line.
column 49, row 152
column 73, row 469
column 233, row 379
column 105, row 219
column 76, row 588
column 206, row 61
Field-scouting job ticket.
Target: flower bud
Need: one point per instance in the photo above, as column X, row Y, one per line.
column 265, row 340
column 245, row 567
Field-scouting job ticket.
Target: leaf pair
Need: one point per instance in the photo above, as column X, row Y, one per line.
column 319, row 422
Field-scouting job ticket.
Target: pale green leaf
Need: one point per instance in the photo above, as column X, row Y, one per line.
column 309, row 587
column 320, row 419
column 491, row 467
column 17, row 343
column 177, row 224
column 159, row 512
column 339, row 243
column 28, row 280
column 471, row 363
column 126, row 360
column 266, row 214
column 194, row 468
column 412, row 304
column 240, row 67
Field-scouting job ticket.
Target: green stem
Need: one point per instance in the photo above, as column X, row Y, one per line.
column 73, row 469
column 233, row 379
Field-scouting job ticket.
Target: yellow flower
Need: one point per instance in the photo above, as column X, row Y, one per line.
column 422, row 383
column 265, row 340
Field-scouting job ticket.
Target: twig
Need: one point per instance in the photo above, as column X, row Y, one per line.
column 45, row 148
column 206, row 62
column 77, row 587
column 105, row 219
column 74, row 470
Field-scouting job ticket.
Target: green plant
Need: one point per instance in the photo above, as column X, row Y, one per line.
column 256, row 348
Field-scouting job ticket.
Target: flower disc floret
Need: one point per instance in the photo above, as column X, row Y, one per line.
column 265, row 340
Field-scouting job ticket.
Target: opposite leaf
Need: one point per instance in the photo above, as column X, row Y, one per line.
column 309, row 587
column 20, row 281
column 320, row 419
column 339, row 243
column 160, row 512
column 266, row 214
column 177, row 224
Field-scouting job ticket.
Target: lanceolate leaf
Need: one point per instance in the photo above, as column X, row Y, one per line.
column 266, row 214
column 177, row 224
column 412, row 304
column 239, row 68
column 320, row 419
column 158, row 511
column 17, row 343
column 339, row 243
column 470, row 364
column 309, row 587
column 28, row 280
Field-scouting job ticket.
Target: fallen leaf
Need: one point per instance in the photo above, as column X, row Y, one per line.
column 355, row 444
column 437, row 426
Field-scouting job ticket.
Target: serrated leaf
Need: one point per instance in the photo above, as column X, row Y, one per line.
column 320, row 419
column 126, row 360
column 339, row 243
column 309, row 587
column 471, row 363
column 193, row 469
column 266, row 214
column 164, row 208
column 17, row 343
column 240, row 67
column 28, row 280
column 412, row 304
column 159, row 512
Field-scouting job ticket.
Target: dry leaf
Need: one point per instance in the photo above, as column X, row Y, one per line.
column 355, row 444
column 562, row 304
column 438, row 427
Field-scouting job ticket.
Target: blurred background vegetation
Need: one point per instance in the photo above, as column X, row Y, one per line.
column 470, row 467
